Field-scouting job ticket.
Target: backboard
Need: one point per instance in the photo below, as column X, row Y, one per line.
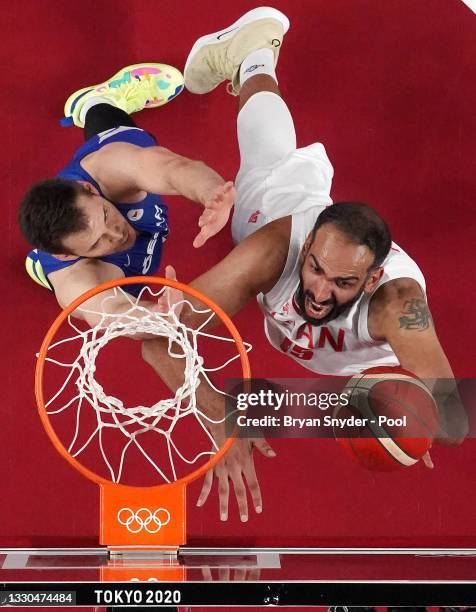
column 245, row 577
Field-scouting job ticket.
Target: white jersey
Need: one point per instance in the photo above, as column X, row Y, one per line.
column 343, row 346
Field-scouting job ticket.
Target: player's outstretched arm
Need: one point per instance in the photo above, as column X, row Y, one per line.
column 252, row 267
column 237, row 467
column 71, row 282
column 158, row 170
column 399, row 314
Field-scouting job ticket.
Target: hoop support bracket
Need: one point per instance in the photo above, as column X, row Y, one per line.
column 134, row 517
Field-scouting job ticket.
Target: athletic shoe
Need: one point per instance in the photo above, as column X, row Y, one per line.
column 131, row 89
column 217, row 57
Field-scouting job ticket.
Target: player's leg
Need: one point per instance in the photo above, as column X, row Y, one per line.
column 108, row 105
column 102, row 116
column 129, row 90
column 265, row 126
column 266, row 135
column 246, row 54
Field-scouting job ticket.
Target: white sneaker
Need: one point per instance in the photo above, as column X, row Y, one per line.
column 217, row 57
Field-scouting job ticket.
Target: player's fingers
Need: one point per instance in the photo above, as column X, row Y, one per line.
column 215, row 206
column 170, row 273
column 206, row 488
column 207, row 573
column 205, row 218
column 253, row 574
column 240, row 573
column 240, row 494
column 173, row 296
column 264, row 447
column 428, row 461
column 207, row 231
column 223, row 493
column 253, row 485
column 201, row 238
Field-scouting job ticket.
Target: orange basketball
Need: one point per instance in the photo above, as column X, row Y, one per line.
column 390, row 420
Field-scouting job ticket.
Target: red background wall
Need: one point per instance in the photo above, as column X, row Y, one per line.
column 387, row 87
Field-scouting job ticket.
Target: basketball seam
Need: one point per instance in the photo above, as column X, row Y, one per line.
column 417, row 417
column 375, row 428
column 377, row 431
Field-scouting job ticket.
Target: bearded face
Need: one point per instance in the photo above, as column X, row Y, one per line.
column 334, row 273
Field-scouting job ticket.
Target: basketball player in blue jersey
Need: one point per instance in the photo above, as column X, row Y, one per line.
column 337, row 295
column 102, row 217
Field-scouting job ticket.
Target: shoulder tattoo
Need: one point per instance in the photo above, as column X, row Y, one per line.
column 416, row 315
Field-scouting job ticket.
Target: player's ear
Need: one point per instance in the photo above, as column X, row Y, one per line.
column 88, row 187
column 373, row 279
column 63, row 257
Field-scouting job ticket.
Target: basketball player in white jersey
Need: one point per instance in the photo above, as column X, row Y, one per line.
column 337, row 295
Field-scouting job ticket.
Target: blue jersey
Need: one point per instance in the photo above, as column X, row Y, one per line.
column 149, row 217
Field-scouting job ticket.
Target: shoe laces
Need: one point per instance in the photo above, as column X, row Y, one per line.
column 233, row 90
column 135, row 93
column 220, row 64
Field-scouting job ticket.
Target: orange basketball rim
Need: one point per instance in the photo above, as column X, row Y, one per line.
column 157, row 513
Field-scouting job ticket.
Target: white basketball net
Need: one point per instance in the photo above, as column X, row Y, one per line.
column 135, row 421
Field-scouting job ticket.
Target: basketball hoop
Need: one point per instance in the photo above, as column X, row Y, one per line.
column 135, row 516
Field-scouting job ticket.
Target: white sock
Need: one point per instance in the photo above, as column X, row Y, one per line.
column 258, row 62
column 90, row 103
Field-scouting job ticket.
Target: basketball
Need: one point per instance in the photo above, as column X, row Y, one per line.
column 394, row 419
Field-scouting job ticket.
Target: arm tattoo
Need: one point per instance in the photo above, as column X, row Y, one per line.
column 417, row 315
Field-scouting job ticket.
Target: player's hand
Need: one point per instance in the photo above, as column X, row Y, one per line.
column 217, row 207
column 170, row 296
column 224, row 574
column 427, row 460
column 238, row 467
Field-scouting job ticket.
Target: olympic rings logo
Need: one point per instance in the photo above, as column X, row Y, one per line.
column 143, row 518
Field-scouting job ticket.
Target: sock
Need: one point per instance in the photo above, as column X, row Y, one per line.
column 90, row 103
column 258, row 62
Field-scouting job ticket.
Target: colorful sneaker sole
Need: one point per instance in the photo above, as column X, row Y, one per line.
column 171, row 83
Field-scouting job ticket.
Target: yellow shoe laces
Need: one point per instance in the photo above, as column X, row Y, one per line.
column 133, row 95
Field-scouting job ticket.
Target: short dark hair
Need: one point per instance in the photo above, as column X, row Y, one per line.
column 361, row 224
column 48, row 213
